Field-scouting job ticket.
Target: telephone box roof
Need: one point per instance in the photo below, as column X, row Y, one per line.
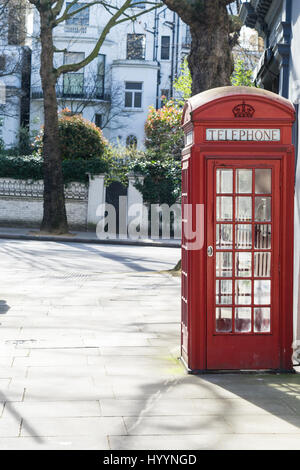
column 227, row 92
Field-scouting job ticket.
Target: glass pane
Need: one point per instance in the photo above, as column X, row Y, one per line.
column 243, row 264
column 73, row 84
column 224, row 292
column 262, row 264
column 137, row 99
column 80, row 18
column 128, row 99
column 243, row 236
column 136, row 46
column 243, row 292
column 262, row 237
column 244, row 181
column 223, row 320
column 224, row 181
column 242, row 319
column 263, row 181
column 263, row 209
column 73, row 57
column 223, row 236
column 243, row 208
column 262, row 292
column 262, row 317
column 224, row 264
column 133, row 85
column 224, row 208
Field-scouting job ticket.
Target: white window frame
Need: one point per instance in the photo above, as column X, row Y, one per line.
column 134, row 92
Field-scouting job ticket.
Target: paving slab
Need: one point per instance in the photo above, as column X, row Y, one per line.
column 206, row 442
column 10, row 427
column 82, row 426
column 98, row 442
column 55, row 409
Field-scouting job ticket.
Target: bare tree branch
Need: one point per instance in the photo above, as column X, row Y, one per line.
column 114, row 20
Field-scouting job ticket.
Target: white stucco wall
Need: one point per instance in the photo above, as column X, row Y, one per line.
column 11, row 94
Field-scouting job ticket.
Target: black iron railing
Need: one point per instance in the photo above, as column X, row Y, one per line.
column 84, row 93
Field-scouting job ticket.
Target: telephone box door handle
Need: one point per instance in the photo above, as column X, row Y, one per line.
column 210, row 251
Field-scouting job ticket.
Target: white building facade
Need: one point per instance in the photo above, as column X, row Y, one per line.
column 15, row 54
column 136, row 65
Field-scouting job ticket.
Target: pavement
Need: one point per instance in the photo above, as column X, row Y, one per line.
column 15, row 233
column 89, row 347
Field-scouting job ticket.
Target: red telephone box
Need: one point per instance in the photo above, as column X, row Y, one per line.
column 237, row 242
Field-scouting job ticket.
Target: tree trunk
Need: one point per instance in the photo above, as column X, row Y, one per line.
column 210, row 59
column 54, row 218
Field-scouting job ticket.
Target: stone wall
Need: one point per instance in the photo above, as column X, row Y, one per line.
column 21, row 202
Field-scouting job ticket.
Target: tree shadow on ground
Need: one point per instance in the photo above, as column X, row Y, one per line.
column 219, row 401
column 277, row 394
column 24, row 424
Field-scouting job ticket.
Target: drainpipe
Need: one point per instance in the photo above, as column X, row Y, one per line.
column 155, row 55
column 177, row 47
column 173, row 55
column 284, row 50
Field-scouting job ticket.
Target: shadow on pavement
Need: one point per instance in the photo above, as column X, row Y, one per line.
column 23, row 422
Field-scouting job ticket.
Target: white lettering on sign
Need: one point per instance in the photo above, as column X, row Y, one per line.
column 254, row 135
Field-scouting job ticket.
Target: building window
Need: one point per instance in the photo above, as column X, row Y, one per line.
column 2, row 95
column 99, row 120
column 131, row 141
column 16, row 30
column 73, row 57
column 165, row 48
column 137, row 4
column 81, row 18
column 187, row 40
column 72, row 81
column 133, row 94
column 2, row 62
column 101, row 76
column 136, row 46
column 1, row 125
column 73, row 84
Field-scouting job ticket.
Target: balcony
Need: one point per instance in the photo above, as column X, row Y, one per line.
column 78, row 31
column 82, row 93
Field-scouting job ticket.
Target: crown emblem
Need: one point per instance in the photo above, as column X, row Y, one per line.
column 243, row 110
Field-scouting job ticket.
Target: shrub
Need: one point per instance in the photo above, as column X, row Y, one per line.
column 164, row 135
column 120, row 162
column 162, row 180
column 79, row 138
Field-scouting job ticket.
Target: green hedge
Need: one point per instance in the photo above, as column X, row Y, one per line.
column 31, row 167
column 162, row 180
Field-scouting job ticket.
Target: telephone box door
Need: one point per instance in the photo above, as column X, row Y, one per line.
column 243, row 230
